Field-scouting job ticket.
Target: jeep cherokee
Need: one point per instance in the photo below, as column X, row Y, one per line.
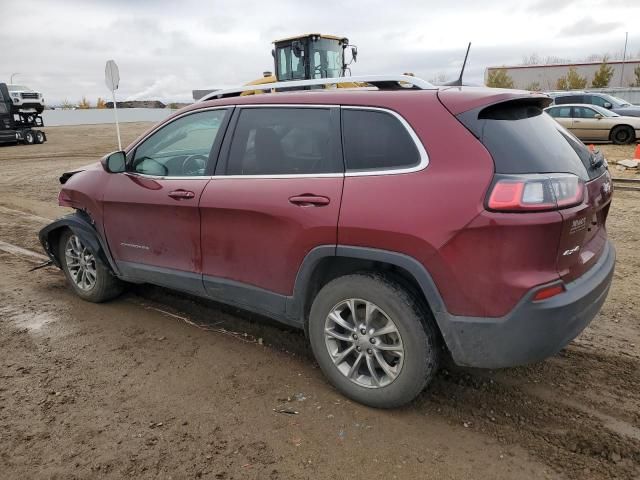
column 392, row 225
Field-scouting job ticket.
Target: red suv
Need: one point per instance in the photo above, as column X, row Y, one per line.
column 390, row 224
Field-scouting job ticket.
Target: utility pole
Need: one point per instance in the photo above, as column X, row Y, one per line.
column 13, row 75
column 624, row 56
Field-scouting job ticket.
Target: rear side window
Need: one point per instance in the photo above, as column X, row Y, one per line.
column 523, row 139
column 283, row 141
column 560, row 112
column 569, row 99
column 376, row 140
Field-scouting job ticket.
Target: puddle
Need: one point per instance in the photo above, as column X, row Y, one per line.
column 33, row 321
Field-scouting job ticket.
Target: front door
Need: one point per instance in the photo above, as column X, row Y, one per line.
column 276, row 195
column 151, row 216
column 589, row 124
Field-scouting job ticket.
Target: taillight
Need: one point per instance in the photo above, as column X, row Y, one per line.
column 535, row 192
column 548, row 292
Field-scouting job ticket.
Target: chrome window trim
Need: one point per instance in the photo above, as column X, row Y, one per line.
column 157, row 177
column 424, row 157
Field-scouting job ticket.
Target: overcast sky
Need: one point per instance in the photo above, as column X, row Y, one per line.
column 165, row 49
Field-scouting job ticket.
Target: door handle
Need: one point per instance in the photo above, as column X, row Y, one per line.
column 181, row 194
column 309, row 200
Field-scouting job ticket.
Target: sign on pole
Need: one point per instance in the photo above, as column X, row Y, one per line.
column 112, row 79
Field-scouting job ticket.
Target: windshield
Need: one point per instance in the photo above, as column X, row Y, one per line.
column 12, row 88
column 604, row 111
column 615, row 101
column 326, row 58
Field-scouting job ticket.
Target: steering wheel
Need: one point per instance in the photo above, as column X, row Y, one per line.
column 194, row 165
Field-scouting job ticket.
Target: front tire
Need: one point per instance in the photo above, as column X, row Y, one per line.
column 373, row 340
column 622, row 135
column 89, row 278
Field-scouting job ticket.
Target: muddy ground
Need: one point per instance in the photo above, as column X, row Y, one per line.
column 161, row 385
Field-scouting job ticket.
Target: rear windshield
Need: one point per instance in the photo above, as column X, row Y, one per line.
column 522, row 138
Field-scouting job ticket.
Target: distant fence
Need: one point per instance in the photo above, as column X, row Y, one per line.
column 54, row 118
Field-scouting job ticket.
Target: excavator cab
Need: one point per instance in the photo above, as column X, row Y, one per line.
column 311, row 56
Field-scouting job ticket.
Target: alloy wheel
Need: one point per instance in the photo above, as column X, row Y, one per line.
column 364, row 343
column 81, row 264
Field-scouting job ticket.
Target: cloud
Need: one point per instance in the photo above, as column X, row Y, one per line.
column 165, row 49
column 589, row 26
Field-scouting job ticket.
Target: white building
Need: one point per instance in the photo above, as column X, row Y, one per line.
column 545, row 77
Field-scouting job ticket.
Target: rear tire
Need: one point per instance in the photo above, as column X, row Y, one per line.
column 89, row 278
column 622, row 135
column 29, row 138
column 39, row 137
column 385, row 361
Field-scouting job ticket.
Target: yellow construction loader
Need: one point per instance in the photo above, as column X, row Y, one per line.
column 309, row 56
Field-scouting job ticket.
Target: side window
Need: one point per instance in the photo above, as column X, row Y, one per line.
column 180, row 148
column 375, row 140
column 282, row 141
column 596, row 100
column 569, row 99
column 560, row 112
column 584, row 112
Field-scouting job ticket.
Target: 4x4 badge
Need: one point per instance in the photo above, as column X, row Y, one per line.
column 570, row 251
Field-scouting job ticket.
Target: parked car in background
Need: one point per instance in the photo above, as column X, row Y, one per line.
column 604, row 100
column 593, row 123
column 23, row 99
column 384, row 223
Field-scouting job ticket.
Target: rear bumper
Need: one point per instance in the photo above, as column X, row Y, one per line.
column 532, row 331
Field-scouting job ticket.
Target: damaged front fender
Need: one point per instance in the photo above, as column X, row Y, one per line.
column 80, row 224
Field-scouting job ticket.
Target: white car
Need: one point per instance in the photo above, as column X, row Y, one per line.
column 24, row 99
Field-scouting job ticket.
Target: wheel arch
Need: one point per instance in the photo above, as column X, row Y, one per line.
column 326, row 263
column 81, row 225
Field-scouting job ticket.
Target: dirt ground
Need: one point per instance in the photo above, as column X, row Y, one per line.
column 162, row 385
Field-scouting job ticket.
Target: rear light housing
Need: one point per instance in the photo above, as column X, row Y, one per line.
column 535, row 192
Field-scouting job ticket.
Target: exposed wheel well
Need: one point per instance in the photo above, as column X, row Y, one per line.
column 330, row 268
column 53, row 239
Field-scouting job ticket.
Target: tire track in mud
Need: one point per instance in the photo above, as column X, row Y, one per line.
column 573, row 440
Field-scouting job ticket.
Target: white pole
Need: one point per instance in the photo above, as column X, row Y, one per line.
column 624, row 56
column 115, row 112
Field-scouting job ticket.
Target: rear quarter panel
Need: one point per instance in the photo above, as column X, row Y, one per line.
column 418, row 213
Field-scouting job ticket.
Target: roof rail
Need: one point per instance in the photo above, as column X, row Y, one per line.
column 382, row 82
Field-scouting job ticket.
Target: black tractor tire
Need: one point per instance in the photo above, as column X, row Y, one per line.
column 39, row 137
column 29, row 137
column 622, row 135
column 105, row 286
column 414, row 323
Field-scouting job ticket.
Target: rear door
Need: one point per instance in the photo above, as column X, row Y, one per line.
column 562, row 115
column 151, row 215
column 275, row 196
